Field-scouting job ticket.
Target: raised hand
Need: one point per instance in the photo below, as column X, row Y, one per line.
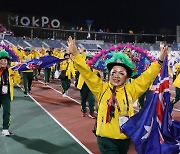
column 72, row 46
column 81, row 50
column 164, row 51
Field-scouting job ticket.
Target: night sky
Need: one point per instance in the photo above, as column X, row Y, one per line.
column 137, row 15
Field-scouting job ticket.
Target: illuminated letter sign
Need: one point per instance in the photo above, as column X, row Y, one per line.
column 55, row 23
column 34, row 22
column 39, row 22
column 25, row 21
column 45, row 20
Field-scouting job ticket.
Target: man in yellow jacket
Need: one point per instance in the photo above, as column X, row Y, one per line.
column 86, row 94
column 7, row 80
column 27, row 74
column 68, row 68
column 116, row 97
column 35, row 54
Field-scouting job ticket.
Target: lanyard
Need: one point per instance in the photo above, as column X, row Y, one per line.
column 126, row 99
column 4, row 78
column 114, row 100
column 111, row 106
column 67, row 65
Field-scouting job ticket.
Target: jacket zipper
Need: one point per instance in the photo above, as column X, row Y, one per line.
column 101, row 125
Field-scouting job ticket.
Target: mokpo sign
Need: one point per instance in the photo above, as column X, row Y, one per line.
column 37, row 22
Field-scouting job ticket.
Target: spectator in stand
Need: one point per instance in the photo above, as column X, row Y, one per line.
column 100, row 30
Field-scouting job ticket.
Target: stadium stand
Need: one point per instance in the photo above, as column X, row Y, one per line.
column 88, row 45
column 36, row 42
column 15, row 41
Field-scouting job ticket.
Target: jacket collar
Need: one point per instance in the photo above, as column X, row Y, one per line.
column 118, row 87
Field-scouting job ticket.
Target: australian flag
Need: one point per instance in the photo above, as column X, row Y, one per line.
column 35, row 63
column 152, row 129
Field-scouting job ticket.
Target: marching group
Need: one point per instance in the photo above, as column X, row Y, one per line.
column 9, row 78
column 115, row 96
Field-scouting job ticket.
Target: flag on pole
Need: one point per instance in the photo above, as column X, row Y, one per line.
column 152, row 129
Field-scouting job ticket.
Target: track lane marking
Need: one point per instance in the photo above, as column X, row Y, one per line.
column 66, row 130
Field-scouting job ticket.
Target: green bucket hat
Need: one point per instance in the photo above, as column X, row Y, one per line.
column 120, row 59
column 89, row 55
column 28, row 49
column 4, row 55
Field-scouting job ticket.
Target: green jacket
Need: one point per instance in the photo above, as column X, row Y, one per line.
column 102, row 92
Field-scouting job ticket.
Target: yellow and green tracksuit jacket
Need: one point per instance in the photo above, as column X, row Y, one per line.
column 36, row 54
column 102, row 92
column 177, row 68
column 26, row 58
column 14, row 78
column 81, row 80
column 70, row 72
column 20, row 52
column 176, row 82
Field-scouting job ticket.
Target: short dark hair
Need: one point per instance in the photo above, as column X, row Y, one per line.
column 66, row 54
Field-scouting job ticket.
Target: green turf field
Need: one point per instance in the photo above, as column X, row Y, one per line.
column 35, row 131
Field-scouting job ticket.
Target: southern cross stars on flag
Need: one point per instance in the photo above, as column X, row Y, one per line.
column 153, row 130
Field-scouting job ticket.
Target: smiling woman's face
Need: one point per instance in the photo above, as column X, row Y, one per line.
column 118, row 76
column 3, row 62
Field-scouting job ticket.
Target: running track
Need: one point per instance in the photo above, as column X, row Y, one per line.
column 66, row 110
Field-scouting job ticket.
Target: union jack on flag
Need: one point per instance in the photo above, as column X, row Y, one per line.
column 152, row 129
column 42, row 62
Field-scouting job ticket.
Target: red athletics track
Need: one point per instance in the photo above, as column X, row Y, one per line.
column 66, row 110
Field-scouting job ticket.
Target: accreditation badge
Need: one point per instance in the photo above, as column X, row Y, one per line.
column 4, row 89
column 122, row 120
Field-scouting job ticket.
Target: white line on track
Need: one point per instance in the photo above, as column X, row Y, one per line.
column 80, row 103
column 85, row 148
column 61, row 124
column 60, row 92
column 176, row 109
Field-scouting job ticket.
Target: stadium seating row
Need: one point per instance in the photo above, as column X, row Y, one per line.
column 37, row 43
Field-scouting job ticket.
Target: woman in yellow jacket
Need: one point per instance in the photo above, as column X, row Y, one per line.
column 116, row 97
column 7, row 80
